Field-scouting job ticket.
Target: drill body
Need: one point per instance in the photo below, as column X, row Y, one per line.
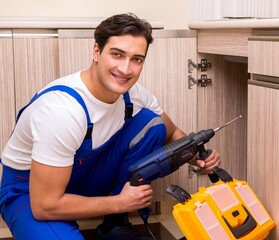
column 170, row 157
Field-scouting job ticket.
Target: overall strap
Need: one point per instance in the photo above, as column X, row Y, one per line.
column 128, row 106
column 71, row 92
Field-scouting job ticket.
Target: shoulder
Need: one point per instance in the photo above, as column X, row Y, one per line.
column 137, row 91
column 143, row 98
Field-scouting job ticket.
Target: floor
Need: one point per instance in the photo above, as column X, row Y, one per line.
column 163, row 225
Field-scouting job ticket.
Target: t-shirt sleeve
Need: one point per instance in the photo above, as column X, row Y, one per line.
column 57, row 131
column 142, row 98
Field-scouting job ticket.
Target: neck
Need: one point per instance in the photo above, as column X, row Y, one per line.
column 89, row 78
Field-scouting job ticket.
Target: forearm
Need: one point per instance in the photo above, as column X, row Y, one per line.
column 177, row 133
column 72, row 207
column 49, row 201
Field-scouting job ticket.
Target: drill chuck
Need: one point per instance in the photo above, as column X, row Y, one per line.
column 202, row 136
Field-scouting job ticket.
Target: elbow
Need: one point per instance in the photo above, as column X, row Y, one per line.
column 41, row 213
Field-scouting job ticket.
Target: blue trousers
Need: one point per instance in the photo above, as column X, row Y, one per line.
column 100, row 173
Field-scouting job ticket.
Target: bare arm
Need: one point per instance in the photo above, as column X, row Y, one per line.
column 173, row 132
column 50, row 202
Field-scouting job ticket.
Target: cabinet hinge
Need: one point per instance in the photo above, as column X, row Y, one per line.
column 203, row 65
column 192, row 170
column 203, row 81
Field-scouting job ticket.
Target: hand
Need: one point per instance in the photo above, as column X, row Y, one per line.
column 136, row 197
column 212, row 161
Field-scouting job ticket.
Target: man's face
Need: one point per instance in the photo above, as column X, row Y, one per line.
column 119, row 65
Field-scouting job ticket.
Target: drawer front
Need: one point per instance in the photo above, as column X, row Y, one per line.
column 263, row 56
column 230, row 42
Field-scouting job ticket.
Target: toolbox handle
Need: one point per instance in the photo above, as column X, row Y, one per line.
column 222, row 174
column 248, row 226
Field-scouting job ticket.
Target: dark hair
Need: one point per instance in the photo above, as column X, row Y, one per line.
column 122, row 24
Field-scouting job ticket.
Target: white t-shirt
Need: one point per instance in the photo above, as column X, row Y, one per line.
column 53, row 127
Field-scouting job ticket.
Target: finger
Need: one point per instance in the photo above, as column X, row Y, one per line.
column 200, row 163
column 145, row 187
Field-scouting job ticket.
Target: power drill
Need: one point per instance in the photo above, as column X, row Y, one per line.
column 169, row 158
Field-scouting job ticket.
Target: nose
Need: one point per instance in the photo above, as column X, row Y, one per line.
column 125, row 67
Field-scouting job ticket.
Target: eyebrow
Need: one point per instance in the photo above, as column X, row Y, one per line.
column 120, row 50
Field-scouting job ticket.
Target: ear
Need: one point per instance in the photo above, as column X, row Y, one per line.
column 96, row 52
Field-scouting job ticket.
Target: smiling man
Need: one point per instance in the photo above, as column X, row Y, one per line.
column 69, row 153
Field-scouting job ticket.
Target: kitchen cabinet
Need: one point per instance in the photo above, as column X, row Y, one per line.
column 254, row 57
column 263, row 118
column 7, row 96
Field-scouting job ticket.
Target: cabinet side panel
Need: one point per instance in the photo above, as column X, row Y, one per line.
column 7, row 96
column 263, row 146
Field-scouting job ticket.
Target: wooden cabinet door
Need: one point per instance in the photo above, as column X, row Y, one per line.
column 7, row 99
column 263, row 146
column 7, row 106
column 221, row 101
column 261, row 49
column 35, row 64
column 165, row 74
column 75, row 53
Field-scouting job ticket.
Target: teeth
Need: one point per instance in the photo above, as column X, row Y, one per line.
column 121, row 79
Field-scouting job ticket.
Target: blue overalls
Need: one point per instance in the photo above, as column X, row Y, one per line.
column 96, row 172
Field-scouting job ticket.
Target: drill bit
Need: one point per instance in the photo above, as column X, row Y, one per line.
column 217, row 129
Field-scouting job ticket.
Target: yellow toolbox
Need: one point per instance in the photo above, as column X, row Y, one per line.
column 227, row 210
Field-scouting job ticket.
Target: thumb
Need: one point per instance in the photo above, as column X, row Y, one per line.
column 200, row 163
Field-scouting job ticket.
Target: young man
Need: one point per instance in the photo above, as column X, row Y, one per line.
column 70, row 150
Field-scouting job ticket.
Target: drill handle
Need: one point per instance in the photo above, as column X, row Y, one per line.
column 202, row 155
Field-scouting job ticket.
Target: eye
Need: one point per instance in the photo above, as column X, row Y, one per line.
column 138, row 60
column 116, row 54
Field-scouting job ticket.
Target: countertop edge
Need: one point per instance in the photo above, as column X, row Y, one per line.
column 58, row 23
column 236, row 23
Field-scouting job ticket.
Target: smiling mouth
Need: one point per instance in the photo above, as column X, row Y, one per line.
column 120, row 79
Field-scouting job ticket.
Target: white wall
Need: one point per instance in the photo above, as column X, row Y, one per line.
column 173, row 13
